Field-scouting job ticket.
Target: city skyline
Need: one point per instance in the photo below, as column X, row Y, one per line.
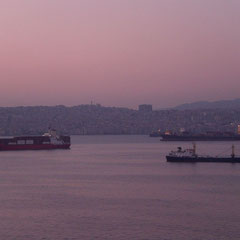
column 118, row 53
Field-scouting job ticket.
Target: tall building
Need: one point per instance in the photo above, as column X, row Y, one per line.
column 145, row 108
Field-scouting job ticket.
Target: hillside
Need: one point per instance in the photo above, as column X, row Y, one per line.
column 224, row 104
column 96, row 119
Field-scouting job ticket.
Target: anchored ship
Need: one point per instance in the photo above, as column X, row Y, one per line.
column 190, row 155
column 208, row 136
column 200, row 137
column 49, row 140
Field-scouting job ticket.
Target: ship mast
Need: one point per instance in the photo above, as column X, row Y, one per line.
column 233, row 151
column 194, row 148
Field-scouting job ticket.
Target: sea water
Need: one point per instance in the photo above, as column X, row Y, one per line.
column 118, row 187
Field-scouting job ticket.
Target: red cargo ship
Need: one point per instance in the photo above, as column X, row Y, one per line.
column 49, row 140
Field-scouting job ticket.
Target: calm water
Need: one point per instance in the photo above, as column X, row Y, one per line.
column 118, row 187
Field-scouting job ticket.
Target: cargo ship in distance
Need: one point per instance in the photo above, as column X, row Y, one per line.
column 209, row 136
column 183, row 135
column 47, row 141
column 190, row 156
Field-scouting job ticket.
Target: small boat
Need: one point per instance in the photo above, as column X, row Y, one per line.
column 190, row 155
column 155, row 134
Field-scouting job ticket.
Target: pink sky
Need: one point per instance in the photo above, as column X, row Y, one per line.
column 118, row 52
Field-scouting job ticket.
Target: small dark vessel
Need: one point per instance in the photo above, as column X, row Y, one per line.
column 49, row 140
column 155, row 134
column 190, row 155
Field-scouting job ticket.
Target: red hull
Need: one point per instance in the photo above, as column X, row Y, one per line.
column 33, row 147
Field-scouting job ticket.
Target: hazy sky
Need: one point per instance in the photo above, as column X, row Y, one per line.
column 118, row 52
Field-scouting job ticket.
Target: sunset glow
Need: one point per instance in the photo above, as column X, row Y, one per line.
column 118, row 52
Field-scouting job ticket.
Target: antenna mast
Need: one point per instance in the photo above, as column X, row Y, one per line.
column 233, row 151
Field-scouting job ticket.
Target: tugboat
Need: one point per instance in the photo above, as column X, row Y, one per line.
column 49, row 140
column 190, row 155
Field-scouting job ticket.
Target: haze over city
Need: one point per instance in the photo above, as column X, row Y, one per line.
column 118, row 52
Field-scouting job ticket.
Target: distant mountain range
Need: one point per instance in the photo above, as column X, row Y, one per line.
column 223, row 104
